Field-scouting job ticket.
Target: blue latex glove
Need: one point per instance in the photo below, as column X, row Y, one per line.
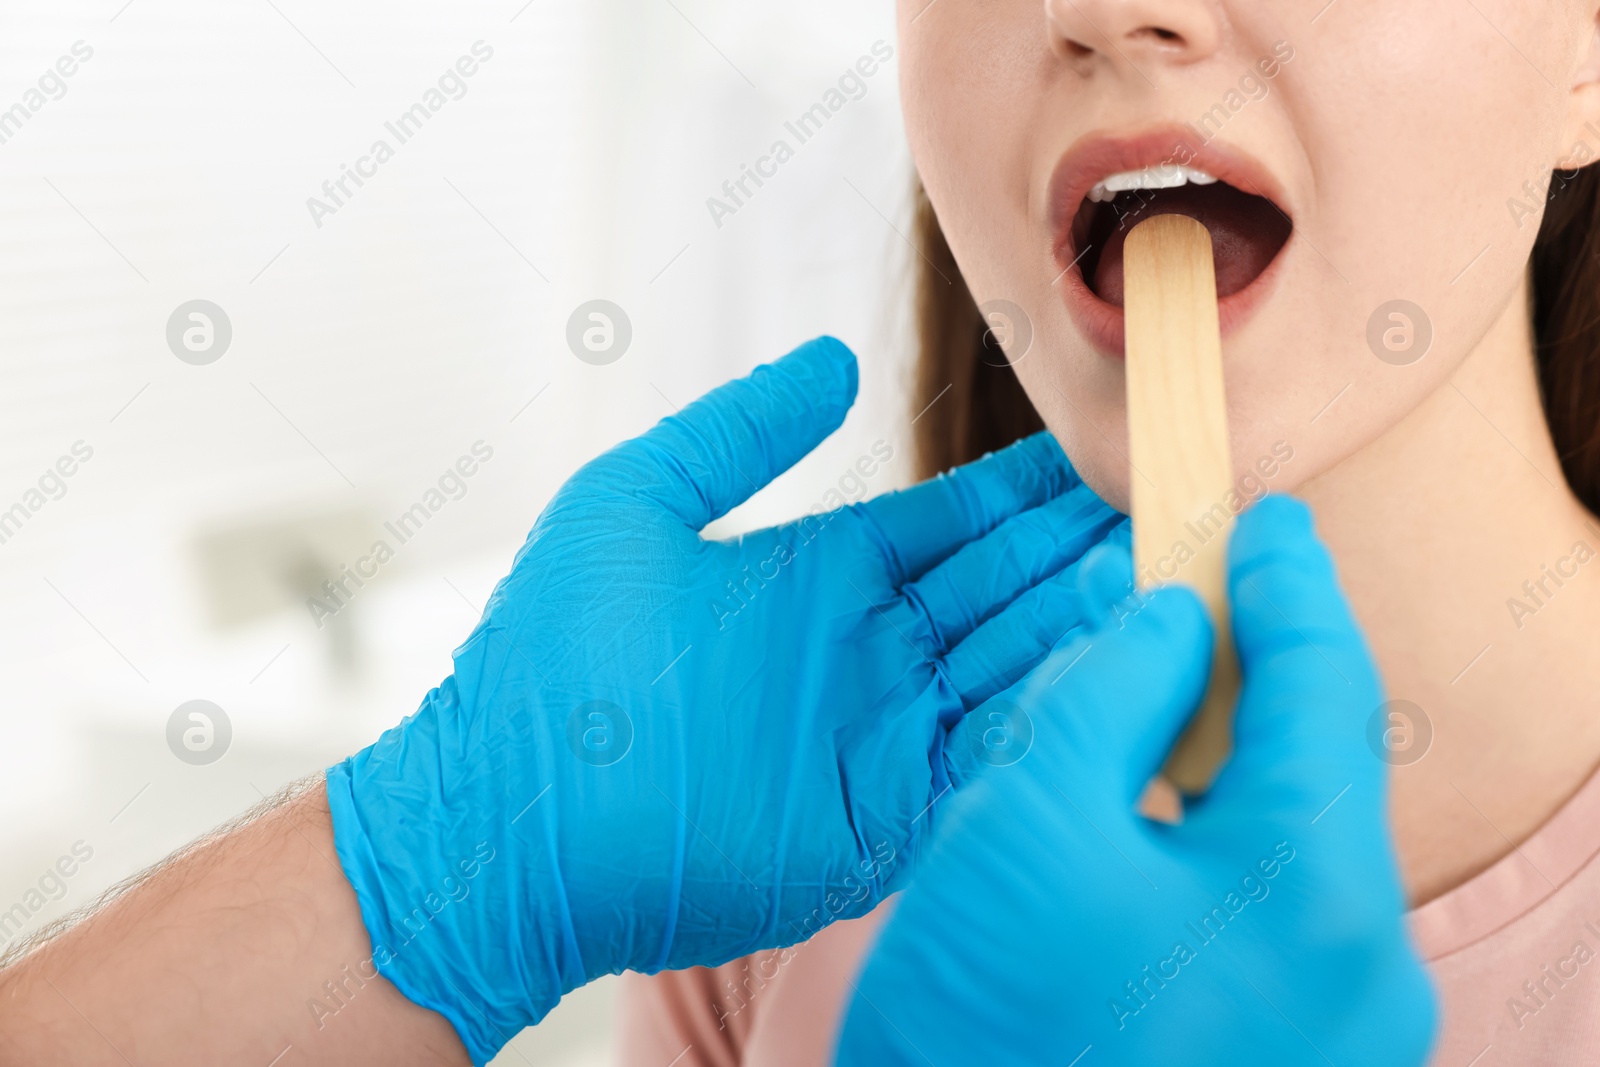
column 657, row 750
column 1051, row 924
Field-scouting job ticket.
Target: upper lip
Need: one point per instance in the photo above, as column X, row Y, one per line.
column 1098, row 155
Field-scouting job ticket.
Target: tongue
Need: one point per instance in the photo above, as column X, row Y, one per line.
column 1246, row 233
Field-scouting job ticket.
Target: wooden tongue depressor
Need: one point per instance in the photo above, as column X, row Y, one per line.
column 1178, row 444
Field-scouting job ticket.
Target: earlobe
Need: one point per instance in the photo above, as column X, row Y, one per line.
column 1589, row 72
column 1583, row 108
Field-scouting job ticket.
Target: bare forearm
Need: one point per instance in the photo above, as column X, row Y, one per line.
column 245, row 947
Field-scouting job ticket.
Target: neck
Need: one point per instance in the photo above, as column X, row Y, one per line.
column 1473, row 569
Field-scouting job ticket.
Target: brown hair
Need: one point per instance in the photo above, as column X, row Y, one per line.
column 971, row 402
column 1566, row 326
column 968, row 397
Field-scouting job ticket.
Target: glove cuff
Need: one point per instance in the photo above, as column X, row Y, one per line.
column 462, row 922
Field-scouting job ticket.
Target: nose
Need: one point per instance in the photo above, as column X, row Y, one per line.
column 1134, row 32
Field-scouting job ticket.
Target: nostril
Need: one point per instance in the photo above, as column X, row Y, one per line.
column 1159, row 35
column 1075, row 49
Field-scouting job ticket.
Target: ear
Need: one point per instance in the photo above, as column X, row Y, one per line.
column 1582, row 130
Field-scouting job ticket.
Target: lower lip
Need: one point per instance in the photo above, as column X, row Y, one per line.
column 1103, row 324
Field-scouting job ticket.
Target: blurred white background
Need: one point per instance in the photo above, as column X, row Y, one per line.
column 369, row 353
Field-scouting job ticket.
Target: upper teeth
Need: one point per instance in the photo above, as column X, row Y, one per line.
column 1164, row 176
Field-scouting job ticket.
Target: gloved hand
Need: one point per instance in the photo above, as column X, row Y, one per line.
column 1051, row 923
column 657, row 750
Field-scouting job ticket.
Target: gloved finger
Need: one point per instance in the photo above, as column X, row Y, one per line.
column 925, row 524
column 1309, row 681
column 1105, row 706
column 1084, row 595
column 989, row 573
column 714, row 454
column 1001, row 651
column 1105, row 580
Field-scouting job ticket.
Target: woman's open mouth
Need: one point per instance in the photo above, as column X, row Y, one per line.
column 1104, row 187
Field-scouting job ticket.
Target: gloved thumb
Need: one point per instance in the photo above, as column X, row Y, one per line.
column 1105, row 707
column 1105, row 581
column 714, row 454
column 1309, row 681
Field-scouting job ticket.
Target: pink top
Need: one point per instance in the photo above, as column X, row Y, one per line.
column 1510, row 952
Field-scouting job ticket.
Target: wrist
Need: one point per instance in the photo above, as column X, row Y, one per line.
column 465, row 911
column 158, row 965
